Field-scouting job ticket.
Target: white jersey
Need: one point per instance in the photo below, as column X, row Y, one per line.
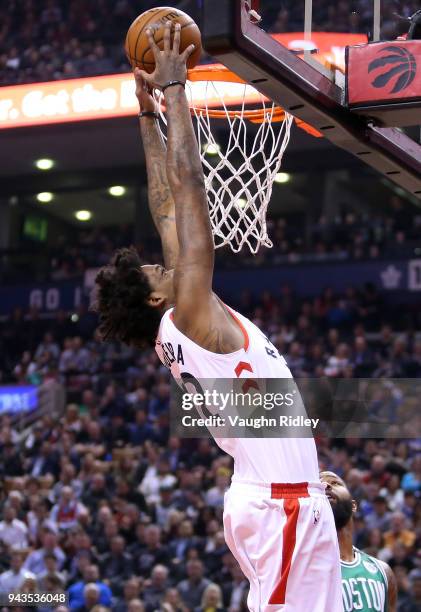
column 288, row 460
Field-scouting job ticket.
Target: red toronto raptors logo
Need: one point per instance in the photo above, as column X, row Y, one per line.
column 400, row 65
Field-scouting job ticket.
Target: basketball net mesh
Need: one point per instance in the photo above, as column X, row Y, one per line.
column 239, row 176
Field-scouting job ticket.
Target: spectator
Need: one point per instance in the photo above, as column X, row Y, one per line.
column 117, row 565
column 35, row 561
column 51, row 574
column 413, row 603
column 131, row 591
column 193, row 588
column 13, row 532
column 398, row 532
column 411, row 481
column 211, row 600
column 155, row 588
column 66, row 513
column 13, row 579
column 77, row 590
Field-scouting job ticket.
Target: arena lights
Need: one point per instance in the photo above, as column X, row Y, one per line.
column 242, row 202
column 83, row 215
column 282, row 177
column 45, row 197
column 44, row 164
column 211, row 149
column 117, row 191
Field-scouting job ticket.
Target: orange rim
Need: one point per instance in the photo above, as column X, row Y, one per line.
column 222, row 74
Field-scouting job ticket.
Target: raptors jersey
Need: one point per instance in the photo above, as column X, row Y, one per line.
column 288, row 460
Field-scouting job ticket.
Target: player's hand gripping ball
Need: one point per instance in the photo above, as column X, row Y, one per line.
column 137, row 45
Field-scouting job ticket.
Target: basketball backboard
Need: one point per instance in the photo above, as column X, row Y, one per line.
column 293, row 51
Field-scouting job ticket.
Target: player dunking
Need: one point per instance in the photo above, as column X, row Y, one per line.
column 277, row 519
column 367, row 583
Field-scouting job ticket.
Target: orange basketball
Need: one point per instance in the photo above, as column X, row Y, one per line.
column 139, row 53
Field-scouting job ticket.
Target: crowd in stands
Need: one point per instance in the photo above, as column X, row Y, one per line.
column 343, row 16
column 55, row 39
column 349, row 236
column 104, row 502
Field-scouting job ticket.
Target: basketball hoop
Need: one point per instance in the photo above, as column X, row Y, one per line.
column 239, row 177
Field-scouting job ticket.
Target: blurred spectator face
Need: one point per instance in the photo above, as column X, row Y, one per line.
column 212, row 527
column 172, row 597
column 135, row 606
column 131, row 589
column 66, row 495
column 397, row 522
column 117, row 545
column 380, row 506
column 220, row 539
column 211, row 597
column 16, row 561
column 185, row 529
column 375, row 538
column 194, row 570
column 9, row 513
column 111, row 529
column 88, row 398
column 152, row 536
column 72, row 413
column 49, row 540
column 50, row 563
column 104, row 514
column 378, row 465
column 29, row 586
column 15, row 499
column 360, row 344
column 393, row 483
column 98, row 482
column 91, row 595
column 163, row 467
column 159, row 576
column 141, row 417
column 91, row 573
column 83, row 562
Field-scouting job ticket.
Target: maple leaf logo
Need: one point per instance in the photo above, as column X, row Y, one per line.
column 402, row 63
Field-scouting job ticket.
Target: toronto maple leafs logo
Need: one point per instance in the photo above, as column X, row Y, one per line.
column 391, row 277
column 399, row 63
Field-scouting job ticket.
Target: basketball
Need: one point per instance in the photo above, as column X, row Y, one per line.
column 139, row 53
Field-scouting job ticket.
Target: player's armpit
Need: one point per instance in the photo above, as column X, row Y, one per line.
column 392, row 589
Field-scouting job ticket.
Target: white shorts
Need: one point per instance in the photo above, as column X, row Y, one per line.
column 284, row 538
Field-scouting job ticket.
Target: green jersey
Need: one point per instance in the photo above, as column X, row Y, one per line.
column 364, row 584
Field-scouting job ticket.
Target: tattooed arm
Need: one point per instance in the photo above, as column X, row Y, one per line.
column 198, row 312
column 161, row 202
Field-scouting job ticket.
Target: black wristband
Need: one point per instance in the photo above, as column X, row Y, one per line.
column 171, row 84
column 148, row 114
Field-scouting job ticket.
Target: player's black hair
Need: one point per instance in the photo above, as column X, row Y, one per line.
column 122, row 290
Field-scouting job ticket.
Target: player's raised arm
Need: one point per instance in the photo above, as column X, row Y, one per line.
column 194, row 271
column 161, row 202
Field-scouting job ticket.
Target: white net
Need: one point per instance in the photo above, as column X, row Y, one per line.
column 239, row 175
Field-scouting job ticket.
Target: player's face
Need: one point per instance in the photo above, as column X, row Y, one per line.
column 161, row 281
column 339, row 497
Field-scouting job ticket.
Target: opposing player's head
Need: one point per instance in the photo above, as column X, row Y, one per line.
column 340, row 498
column 131, row 298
